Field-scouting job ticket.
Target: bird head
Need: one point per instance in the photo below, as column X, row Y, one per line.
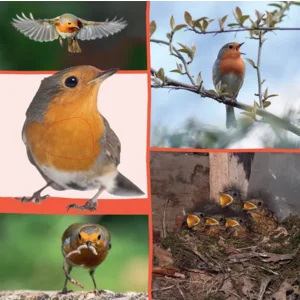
column 256, row 205
column 70, row 23
column 93, row 235
column 235, row 222
column 215, row 220
column 229, row 195
column 194, row 219
column 230, row 50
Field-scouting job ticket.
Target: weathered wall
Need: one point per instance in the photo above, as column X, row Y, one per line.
column 183, row 178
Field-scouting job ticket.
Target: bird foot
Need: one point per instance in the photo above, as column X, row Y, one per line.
column 65, row 291
column 35, row 198
column 281, row 231
column 97, row 292
column 90, row 205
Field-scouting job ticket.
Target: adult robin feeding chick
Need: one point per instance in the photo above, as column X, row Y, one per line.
column 263, row 220
column 66, row 26
column 69, row 141
column 93, row 236
column 229, row 70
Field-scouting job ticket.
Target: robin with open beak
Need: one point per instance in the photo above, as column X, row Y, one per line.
column 229, row 70
column 232, row 197
column 66, row 26
column 70, row 142
column 91, row 235
column 215, row 225
column 238, row 227
column 195, row 221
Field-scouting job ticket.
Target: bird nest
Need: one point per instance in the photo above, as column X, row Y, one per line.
column 189, row 265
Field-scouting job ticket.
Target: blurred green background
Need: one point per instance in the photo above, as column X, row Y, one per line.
column 31, row 255
column 125, row 50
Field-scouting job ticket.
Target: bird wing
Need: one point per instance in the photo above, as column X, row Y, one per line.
column 96, row 30
column 112, row 143
column 40, row 30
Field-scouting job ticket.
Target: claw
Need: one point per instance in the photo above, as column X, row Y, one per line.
column 89, row 205
column 65, row 291
column 35, row 198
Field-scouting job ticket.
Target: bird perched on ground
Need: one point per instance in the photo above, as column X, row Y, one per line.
column 238, row 227
column 229, row 70
column 93, row 235
column 66, row 26
column 263, row 220
column 68, row 140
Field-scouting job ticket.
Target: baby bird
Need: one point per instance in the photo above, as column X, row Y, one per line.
column 238, row 227
column 196, row 221
column 215, row 225
column 231, row 196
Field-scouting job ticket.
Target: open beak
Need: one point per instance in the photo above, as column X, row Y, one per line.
column 211, row 221
column 192, row 220
column 89, row 244
column 249, row 206
column 239, row 46
column 231, row 223
column 225, row 199
column 104, row 75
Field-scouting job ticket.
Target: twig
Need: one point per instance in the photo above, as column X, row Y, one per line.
column 258, row 69
column 263, row 287
column 180, row 291
column 243, row 29
column 77, row 251
column 268, row 117
column 164, row 219
column 163, row 289
column 179, row 55
column 267, row 270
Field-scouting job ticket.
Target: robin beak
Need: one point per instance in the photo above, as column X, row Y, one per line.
column 231, row 223
column 225, row 199
column 89, row 244
column 211, row 221
column 239, row 46
column 104, row 75
column 192, row 220
column 249, row 206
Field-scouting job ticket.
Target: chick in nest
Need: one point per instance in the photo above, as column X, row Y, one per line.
column 238, row 227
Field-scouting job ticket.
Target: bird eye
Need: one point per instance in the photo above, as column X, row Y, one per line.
column 259, row 203
column 221, row 219
column 79, row 235
column 234, row 194
column 230, row 46
column 69, row 23
column 99, row 236
column 71, row 81
column 201, row 215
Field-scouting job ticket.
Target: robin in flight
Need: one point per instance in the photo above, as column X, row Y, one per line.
column 68, row 140
column 238, row 227
column 91, row 235
column 66, row 26
column 263, row 220
column 229, row 70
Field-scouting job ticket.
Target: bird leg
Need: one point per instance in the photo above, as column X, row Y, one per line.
column 91, row 204
column 36, row 197
column 96, row 291
column 70, row 45
column 61, row 41
column 67, row 269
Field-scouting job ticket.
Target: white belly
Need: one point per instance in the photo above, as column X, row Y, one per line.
column 65, row 35
column 84, row 180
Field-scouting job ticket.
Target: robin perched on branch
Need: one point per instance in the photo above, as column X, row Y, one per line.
column 66, row 26
column 229, row 70
column 68, row 140
column 93, row 236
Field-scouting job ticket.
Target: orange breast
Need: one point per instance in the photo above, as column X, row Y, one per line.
column 65, row 28
column 87, row 259
column 232, row 65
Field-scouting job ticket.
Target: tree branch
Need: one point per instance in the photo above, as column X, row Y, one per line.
column 258, row 69
column 268, row 117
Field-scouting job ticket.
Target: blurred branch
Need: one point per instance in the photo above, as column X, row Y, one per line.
column 260, row 42
column 268, row 117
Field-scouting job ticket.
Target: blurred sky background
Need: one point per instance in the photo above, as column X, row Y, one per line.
column 125, row 50
column 31, row 257
column 280, row 65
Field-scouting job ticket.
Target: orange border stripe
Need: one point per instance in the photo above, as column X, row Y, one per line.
column 53, row 72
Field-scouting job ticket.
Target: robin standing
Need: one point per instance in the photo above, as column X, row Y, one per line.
column 69, row 141
column 229, row 70
column 263, row 220
column 238, row 227
column 68, row 27
column 93, row 235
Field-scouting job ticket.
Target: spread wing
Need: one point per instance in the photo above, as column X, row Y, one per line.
column 40, row 30
column 112, row 144
column 96, row 30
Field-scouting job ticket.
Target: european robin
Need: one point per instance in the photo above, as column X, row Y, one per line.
column 238, row 227
column 263, row 220
column 69, row 141
column 66, row 26
column 215, row 225
column 91, row 235
column 229, row 70
column 232, row 197
column 195, row 221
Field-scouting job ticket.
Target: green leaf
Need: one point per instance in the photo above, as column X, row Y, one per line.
column 188, row 18
column 248, row 114
column 266, row 104
column 172, row 22
column 266, row 93
column 178, row 27
column 152, row 27
column 198, row 25
column 264, row 80
column 176, row 71
column 238, row 12
column 161, row 74
column 201, row 19
column 272, row 95
column 213, row 92
column 296, row 3
column 168, row 35
column 222, row 22
column 204, row 24
column 243, row 19
column 251, row 62
column 199, row 79
column 233, row 24
column 275, row 5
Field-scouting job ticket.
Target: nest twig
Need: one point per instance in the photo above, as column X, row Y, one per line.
column 77, row 251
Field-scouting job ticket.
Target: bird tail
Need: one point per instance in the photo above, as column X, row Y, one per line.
column 230, row 117
column 124, row 187
column 73, row 46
